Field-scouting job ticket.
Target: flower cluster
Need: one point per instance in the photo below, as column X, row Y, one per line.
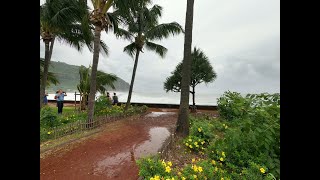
column 195, row 144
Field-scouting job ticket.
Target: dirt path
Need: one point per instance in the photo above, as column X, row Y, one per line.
column 111, row 154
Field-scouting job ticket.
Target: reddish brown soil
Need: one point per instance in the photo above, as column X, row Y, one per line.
column 111, row 154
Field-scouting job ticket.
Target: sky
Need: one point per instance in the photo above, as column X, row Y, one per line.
column 240, row 37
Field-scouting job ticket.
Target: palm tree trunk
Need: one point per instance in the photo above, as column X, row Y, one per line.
column 132, row 80
column 51, row 48
column 93, row 82
column 45, row 72
column 183, row 117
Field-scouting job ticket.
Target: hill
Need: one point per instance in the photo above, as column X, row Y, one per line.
column 68, row 75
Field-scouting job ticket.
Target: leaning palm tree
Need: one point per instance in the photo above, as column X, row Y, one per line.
column 143, row 28
column 183, row 117
column 59, row 19
column 103, row 20
column 103, row 79
column 67, row 21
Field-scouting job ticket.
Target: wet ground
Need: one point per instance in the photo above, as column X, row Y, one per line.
column 112, row 153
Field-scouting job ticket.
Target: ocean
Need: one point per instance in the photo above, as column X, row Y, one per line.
column 158, row 98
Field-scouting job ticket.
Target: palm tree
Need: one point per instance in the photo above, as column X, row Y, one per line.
column 60, row 19
column 102, row 20
column 183, row 117
column 143, row 28
column 103, row 79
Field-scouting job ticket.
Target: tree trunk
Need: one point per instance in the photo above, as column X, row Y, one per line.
column 84, row 102
column 194, row 109
column 193, row 96
column 183, row 117
column 132, row 80
column 51, row 48
column 93, row 83
column 45, row 72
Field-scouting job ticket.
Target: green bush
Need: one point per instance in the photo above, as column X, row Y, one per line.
column 102, row 103
column 48, row 118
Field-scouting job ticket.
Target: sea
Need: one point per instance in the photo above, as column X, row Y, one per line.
column 153, row 97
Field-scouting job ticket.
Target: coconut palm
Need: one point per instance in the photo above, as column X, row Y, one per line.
column 103, row 79
column 60, row 19
column 103, row 20
column 143, row 28
column 183, row 117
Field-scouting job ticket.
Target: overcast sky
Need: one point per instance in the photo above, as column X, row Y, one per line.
column 240, row 37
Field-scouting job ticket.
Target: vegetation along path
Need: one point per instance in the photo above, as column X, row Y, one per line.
column 111, row 154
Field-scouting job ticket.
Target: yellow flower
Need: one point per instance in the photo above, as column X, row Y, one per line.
column 262, row 170
column 187, row 144
column 223, row 154
column 190, row 140
column 194, row 176
column 163, row 163
column 193, row 160
column 183, row 178
column 49, row 132
column 168, row 169
column 195, row 143
column 195, row 168
column 172, row 178
column 169, row 163
column 213, row 162
column 199, row 129
column 203, row 142
column 179, row 173
column 200, row 169
column 151, row 178
column 222, row 179
column 156, row 177
column 221, row 159
column 215, row 169
column 190, row 146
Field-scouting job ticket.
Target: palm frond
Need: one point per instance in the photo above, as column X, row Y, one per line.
column 122, row 33
column 160, row 50
column 163, row 31
column 104, row 49
column 130, row 49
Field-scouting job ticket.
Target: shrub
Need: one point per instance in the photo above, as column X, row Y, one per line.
column 48, row 118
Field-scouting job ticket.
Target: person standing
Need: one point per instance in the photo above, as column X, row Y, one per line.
column 60, row 98
column 115, row 99
column 45, row 99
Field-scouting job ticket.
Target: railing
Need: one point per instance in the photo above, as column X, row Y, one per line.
column 80, row 125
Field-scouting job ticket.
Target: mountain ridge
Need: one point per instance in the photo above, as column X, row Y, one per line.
column 68, row 76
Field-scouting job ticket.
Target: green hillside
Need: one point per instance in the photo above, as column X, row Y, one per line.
column 68, row 75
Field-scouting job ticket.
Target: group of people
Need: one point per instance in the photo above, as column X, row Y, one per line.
column 59, row 97
column 113, row 99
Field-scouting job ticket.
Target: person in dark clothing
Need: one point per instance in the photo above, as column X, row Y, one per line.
column 115, row 99
column 60, row 98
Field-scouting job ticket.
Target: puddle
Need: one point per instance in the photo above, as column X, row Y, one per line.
column 157, row 136
column 157, row 114
column 111, row 166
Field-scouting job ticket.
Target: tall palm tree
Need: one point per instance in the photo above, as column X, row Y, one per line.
column 66, row 20
column 103, row 20
column 183, row 116
column 143, row 28
column 60, row 19
column 103, row 79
